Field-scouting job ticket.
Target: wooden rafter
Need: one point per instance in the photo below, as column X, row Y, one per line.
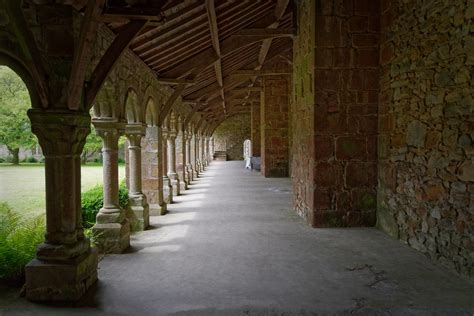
column 275, row 32
column 176, row 81
column 206, row 58
column 211, row 14
column 137, row 13
column 110, row 57
column 266, row 44
column 83, row 53
column 170, row 102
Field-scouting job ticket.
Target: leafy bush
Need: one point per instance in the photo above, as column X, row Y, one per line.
column 31, row 159
column 18, row 241
column 92, row 201
column 2, row 159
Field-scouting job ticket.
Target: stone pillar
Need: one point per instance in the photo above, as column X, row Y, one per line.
column 255, row 128
column 112, row 227
column 137, row 200
column 65, row 265
column 183, row 171
column 212, row 148
column 189, row 165
column 167, row 187
column 274, row 127
column 172, row 175
column 204, row 151
column 195, row 161
column 208, row 150
column 152, row 171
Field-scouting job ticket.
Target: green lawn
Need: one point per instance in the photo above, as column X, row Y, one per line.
column 22, row 187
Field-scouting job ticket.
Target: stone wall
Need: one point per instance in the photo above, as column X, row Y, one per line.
column 274, row 126
column 231, row 134
column 302, row 109
column 335, row 112
column 255, row 126
column 426, row 125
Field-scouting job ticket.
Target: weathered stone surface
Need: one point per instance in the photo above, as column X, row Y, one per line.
column 416, row 134
column 427, row 93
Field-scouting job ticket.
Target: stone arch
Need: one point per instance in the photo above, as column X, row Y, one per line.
column 132, row 107
column 19, row 68
column 151, row 112
column 104, row 105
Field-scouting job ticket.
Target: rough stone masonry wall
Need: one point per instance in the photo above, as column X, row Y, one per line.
column 426, row 125
column 346, row 87
column 302, row 109
column 255, row 126
column 231, row 134
column 274, row 127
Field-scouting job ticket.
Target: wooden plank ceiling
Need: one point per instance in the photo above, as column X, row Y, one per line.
column 210, row 50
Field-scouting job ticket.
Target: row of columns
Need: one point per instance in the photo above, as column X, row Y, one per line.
column 113, row 225
column 65, row 264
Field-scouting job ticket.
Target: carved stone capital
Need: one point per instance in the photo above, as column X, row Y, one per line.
column 134, row 134
column 110, row 132
column 60, row 132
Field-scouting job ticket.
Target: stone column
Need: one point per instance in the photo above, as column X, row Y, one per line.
column 172, row 175
column 167, row 187
column 137, row 200
column 212, row 148
column 112, row 227
column 65, row 265
column 208, row 150
column 197, row 138
column 152, row 171
column 189, row 165
column 195, row 161
column 203, row 152
column 183, row 172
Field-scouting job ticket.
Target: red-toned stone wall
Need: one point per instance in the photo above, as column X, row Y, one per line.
column 302, row 112
column 426, row 126
column 255, row 126
column 274, row 126
column 346, row 89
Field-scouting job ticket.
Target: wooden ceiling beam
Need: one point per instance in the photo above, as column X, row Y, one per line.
column 211, row 15
column 83, row 53
column 175, row 81
column 170, row 102
column 206, row 58
column 110, row 57
column 290, row 32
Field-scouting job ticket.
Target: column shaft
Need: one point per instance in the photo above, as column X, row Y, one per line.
column 66, row 266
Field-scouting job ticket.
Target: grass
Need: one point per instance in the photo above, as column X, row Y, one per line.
column 23, row 186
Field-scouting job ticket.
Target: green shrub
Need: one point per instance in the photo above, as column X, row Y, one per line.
column 92, row 201
column 18, row 241
column 31, row 159
column 2, row 159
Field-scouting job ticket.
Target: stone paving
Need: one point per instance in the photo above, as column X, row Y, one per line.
column 231, row 245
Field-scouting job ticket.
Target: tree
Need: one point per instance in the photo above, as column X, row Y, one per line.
column 15, row 129
column 93, row 146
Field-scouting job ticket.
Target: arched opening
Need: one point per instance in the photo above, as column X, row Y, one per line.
column 248, row 153
column 22, row 187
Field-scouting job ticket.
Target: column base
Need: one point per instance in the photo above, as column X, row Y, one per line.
column 167, row 191
column 139, row 207
column 112, row 237
column 157, row 210
column 175, row 184
column 61, row 281
column 183, row 186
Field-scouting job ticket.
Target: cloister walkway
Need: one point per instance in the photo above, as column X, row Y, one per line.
column 232, row 246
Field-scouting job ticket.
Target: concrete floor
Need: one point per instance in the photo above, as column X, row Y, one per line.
column 232, row 246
